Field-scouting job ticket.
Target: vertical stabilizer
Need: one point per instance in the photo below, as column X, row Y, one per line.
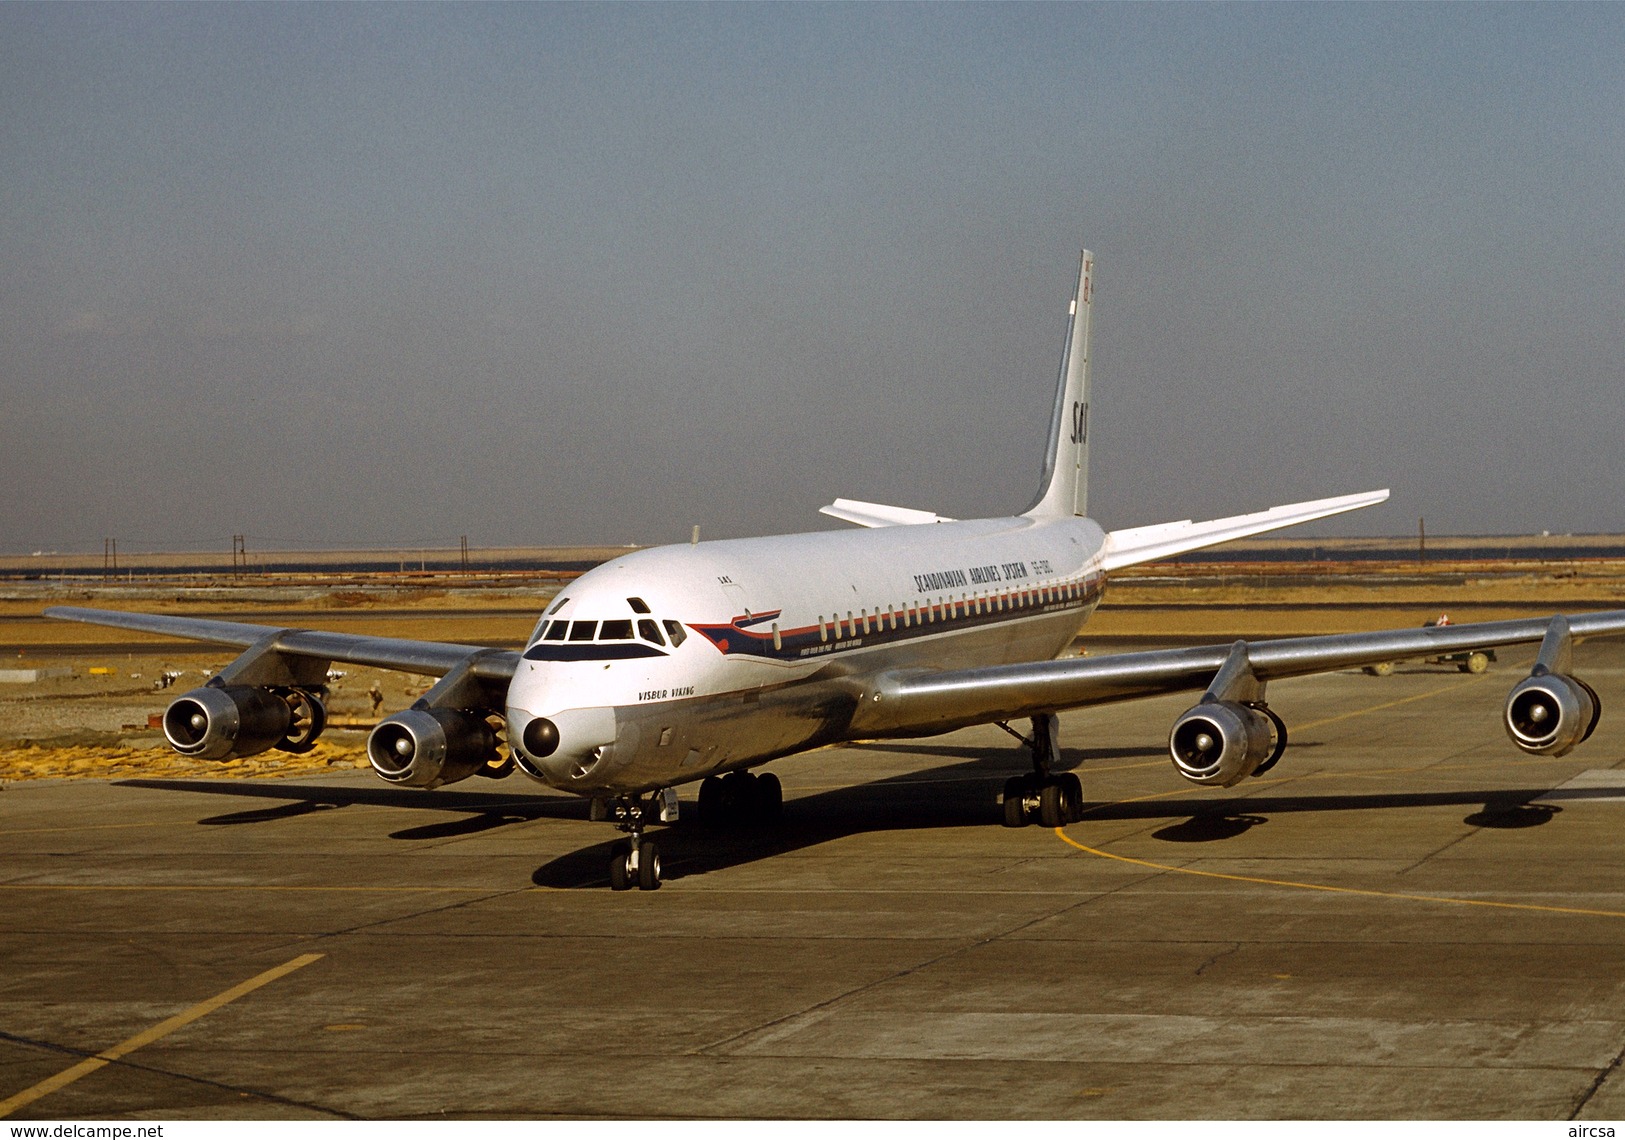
column 1065, row 490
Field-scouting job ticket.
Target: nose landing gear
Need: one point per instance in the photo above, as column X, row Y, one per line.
column 635, row 861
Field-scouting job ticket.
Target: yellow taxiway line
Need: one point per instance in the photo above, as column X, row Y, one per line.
column 1368, row 892
column 147, row 1037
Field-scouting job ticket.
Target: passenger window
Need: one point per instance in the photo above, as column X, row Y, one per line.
column 639, row 606
column 649, row 631
column 583, row 630
column 823, row 630
column 675, row 631
column 615, row 631
column 556, row 631
column 558, row 605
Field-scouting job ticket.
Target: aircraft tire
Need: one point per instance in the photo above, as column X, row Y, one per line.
column 648, row 867
column 769, row 798
column 738, row 799
column 1052, row 804
column 1015, row 808
column 1073, row 789
column 710, row 802
column 620, row 874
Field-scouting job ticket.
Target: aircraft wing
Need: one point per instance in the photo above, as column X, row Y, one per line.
column 909, row 702
column 1145, row 543
column 428, row 658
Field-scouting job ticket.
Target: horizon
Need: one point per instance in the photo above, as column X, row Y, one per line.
column 385, row 275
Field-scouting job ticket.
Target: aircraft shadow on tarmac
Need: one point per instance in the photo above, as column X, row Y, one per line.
column 962, row 794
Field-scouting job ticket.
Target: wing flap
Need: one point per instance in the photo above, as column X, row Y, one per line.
column 1146, row 543
column 920, row 702
column 427, row 658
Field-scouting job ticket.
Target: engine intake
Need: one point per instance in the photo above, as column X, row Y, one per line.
column 227, row 723
column 1549, row 713
column 426, row 748
column 1220, row 743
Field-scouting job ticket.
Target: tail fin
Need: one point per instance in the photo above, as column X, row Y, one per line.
column 1065, row 491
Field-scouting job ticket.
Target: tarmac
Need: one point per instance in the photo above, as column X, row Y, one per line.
column 1408, row 918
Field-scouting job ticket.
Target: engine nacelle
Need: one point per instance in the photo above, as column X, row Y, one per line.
column 1220, row 743
column 425, row 748
column 227, row 723
column 1549, row 713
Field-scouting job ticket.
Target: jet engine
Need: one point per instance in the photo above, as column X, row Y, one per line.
column 425, row 748
column 234, row 721
column 1220, row 743
column 1547, row 714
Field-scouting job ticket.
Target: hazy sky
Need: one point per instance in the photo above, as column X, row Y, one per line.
column 370, row 275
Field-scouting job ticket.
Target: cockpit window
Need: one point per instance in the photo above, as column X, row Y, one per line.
column 583, row 630
column 557, row 606
column 639, row 606
column 556, row 631
column 615, row 631
column 649, row 631
column 675, row 631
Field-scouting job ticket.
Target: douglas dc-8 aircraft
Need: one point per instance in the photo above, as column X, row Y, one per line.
column 703, row 662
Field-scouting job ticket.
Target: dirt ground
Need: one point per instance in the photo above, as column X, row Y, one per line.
column 98, row 719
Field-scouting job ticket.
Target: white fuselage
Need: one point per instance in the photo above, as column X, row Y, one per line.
column 676, row 662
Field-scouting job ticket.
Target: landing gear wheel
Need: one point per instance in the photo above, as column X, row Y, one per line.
column 769, row 797
column 1072, row 795
column 737, row 797
column 648, row 867
column 711, row 802
column 1015, row 802
column 620, row 866
column 1052, row 805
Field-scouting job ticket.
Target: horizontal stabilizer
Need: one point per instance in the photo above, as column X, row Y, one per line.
column 878, row 514
column 1147, row 543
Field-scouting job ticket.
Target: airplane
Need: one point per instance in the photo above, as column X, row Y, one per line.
column 705, row 661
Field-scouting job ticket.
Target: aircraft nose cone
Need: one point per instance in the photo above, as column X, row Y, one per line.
column 567, row 748
column 541, row 738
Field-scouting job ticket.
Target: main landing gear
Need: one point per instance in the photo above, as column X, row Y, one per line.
column 740, row 799
column 634, row 861
column 1053, row 799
